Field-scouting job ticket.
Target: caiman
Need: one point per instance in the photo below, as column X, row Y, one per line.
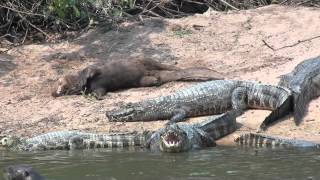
column 262, row 140
column 171, row 138
column 69, row 140
column 304, row 82
column 208, row 98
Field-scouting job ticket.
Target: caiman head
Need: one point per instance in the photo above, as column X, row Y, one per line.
column 174, row 139
column 10, row 142
column 20, row 172
column 67, row 85
column 131, row 112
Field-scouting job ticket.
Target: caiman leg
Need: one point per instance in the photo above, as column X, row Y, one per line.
column 239, row 99
column 178, row 115
column 266, row 100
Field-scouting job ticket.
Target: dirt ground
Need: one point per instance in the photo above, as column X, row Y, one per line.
column 228, row 42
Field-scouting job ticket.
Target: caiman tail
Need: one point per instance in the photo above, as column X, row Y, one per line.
column 220, row 125
column 262, row 140
column 304, row 81
column 302, row 99
column 284, row 109
column 114, row 141
column 190, row 74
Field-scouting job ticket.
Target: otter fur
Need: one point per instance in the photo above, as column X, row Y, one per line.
column 123, row 74
column 21, row 172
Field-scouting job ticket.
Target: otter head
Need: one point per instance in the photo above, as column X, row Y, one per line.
column 174, row 139
column 20, row 172
column 67, row 85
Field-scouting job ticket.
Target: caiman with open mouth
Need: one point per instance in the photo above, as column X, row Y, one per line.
column 172, row 138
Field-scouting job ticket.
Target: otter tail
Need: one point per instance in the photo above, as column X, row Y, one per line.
column 190, row 74
column 151, row 64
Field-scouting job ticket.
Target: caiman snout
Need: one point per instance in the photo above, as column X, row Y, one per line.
column 174, row 139
column 121, row 114
column 125, row 114
column 171, row 139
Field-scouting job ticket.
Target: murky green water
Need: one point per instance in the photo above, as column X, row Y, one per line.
column 225, row 163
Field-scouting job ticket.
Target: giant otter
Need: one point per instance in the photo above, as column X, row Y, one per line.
column 122, row 74
column 21, row 172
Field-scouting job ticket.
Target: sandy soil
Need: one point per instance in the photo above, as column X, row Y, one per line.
column 230, row 43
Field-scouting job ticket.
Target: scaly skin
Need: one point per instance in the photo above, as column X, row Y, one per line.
column 261, row 140
column 65, row 140
column 186, row 137
column 304, row 82
column 208, row 98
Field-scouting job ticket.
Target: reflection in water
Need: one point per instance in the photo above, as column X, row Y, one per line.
column 226, row 163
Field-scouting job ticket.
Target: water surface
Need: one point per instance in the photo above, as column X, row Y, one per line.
column 227, row 163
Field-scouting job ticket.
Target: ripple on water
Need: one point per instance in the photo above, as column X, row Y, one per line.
column 229, row 163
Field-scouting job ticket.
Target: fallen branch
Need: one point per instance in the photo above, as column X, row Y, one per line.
column 299, row 41
column 269, row 46
column 292, row 45
column 22, row 12
column 25, row 35
column 32, row 25
column 229, row 5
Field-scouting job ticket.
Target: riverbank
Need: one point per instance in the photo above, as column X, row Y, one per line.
column 258, row 44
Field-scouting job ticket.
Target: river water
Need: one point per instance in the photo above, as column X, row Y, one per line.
column 227, row 163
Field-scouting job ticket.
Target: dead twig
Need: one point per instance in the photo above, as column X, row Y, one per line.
column 25, row 35
column 32, row 25
column 291, row 45
column 299, row 41
column 229, row 5
column 22, row 12
column 269, row 46
column 303, row 2
column 6, row 35
column 283, row 2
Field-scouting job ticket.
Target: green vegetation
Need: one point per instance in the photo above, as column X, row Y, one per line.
column 63, row 7
column 34, row 20
column 182, row 32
